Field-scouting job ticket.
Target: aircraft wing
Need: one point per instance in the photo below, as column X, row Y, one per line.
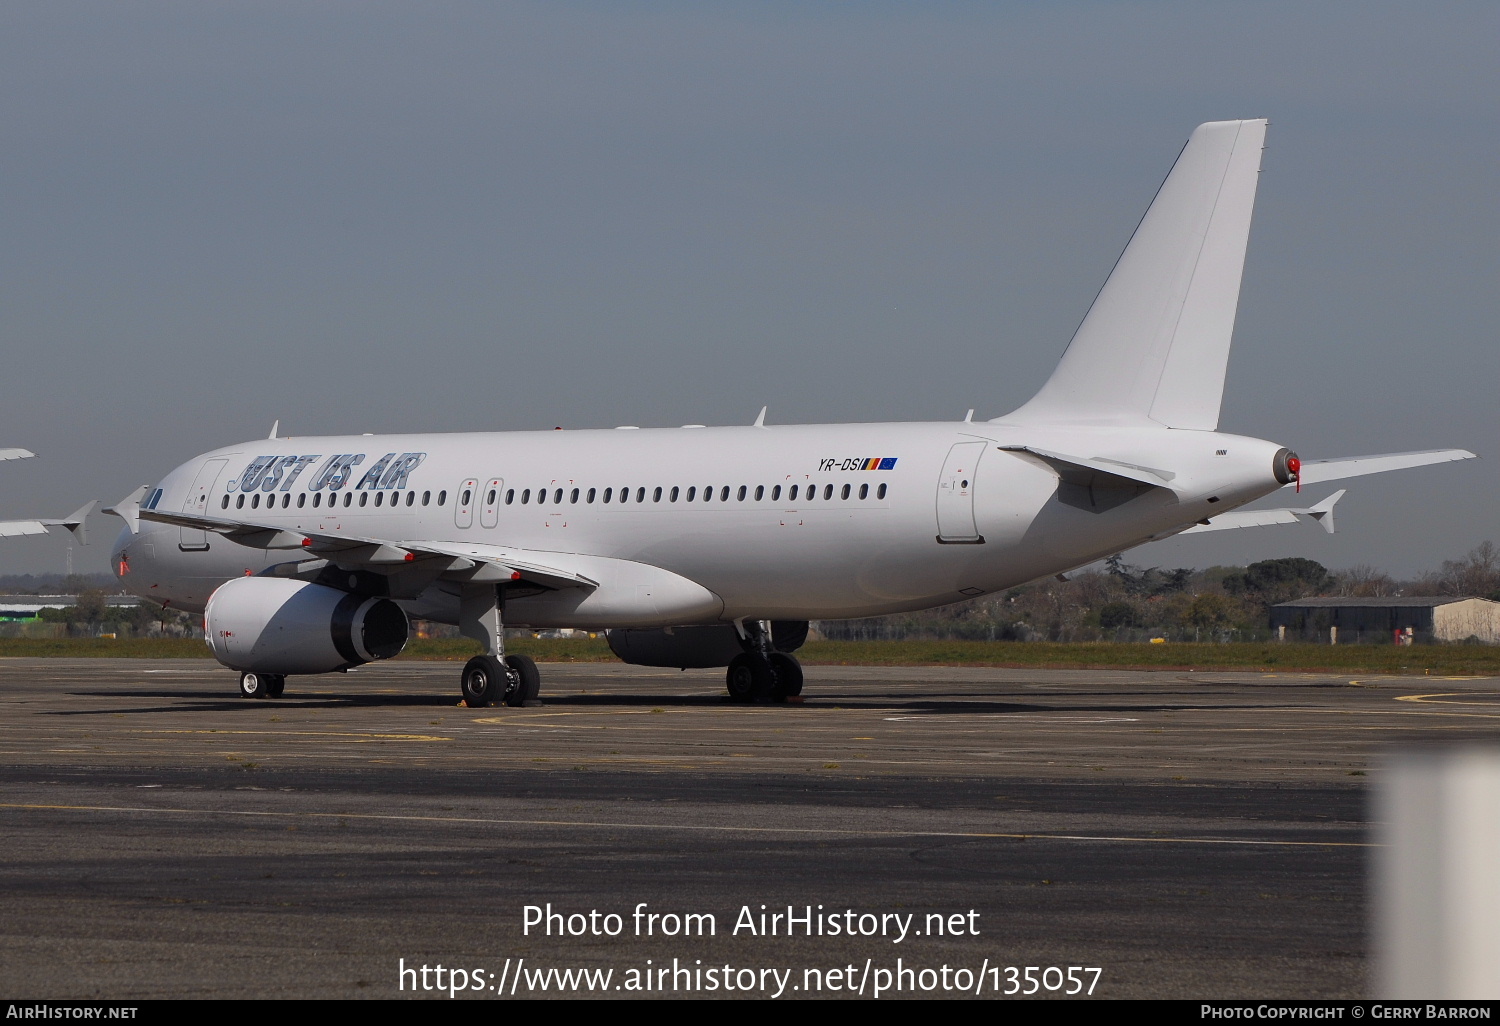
column 1319, row 471
column 1322, row 514
column 15, row 454
column 75, row 522
column 458, row 560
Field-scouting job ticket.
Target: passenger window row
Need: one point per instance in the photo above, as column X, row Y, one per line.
column 333, row 499
column 622, row 496
column 710, row 493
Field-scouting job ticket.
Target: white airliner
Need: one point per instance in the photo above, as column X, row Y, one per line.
column 713, row 546
column 76, row 522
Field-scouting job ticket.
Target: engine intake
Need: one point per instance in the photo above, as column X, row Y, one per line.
column 273, row 625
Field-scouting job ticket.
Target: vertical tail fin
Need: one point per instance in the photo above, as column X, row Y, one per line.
column 1155, row 344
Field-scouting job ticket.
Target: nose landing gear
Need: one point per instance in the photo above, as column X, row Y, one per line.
column 262, row 685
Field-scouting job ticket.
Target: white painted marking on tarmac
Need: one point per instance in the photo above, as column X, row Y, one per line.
column 693, row 827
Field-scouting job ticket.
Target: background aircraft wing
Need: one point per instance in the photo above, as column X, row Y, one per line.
column 15, row 454
column 76, row 522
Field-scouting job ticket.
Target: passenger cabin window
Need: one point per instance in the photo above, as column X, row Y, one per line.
column 792, row 495
column 510, row 496
column 591, row 495
column 466, row 496
column 490, row 500
column 607, row 493
column 692, row 493
column 426, row 497
column 673, row 496
column 378, row 497
column 573, row 496
column 740, row 495
column 844, row 493
column 828, row 491
column 864, row 491
column 364, row 497
column 301, row 500
column 557, row 498
column 443, row 497
column 880, row 492
column 760, row 492
column 656, row 495
column 640, row 495
column 225, row 503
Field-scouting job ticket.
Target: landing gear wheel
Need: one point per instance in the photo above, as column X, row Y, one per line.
column 275, row 684
column 525, row 681
column 750, row 677
column 483, row 681
column 253, row 685
column 788, row 676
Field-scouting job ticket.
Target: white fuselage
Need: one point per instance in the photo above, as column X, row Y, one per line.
column 857, row 540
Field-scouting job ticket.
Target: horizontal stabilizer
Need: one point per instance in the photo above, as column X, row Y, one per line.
column 1318, row 471
column 1087, row 470
column 1321, row 514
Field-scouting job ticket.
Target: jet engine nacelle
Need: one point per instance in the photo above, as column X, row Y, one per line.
column 692, row 648
column 275, row 625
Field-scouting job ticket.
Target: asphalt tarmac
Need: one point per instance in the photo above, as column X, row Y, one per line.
column 1169, row 834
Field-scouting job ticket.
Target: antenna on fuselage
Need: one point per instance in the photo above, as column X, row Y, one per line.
column 760, row 420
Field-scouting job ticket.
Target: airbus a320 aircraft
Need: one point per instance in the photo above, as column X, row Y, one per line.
column 700, row 546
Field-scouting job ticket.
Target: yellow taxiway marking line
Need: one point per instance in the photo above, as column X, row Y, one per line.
column 1452, row 694
column 700, row 828
column 306, row 733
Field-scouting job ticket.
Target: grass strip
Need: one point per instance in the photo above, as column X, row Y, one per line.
column 1441, row 660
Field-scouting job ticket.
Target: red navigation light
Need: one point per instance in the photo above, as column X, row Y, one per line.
column 1294, row 467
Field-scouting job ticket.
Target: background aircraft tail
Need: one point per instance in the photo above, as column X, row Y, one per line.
column 1155, row 344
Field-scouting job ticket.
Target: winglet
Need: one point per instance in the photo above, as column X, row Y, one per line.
column 128, row 509
column 274, row 425
column 77, row 521
column 1323, row 511
column 760, row 421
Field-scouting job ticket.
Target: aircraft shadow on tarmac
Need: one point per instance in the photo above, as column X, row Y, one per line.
column 923, row 705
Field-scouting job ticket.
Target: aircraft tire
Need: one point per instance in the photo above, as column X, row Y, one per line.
column 750, row 677
column 527, row 683
column 788, row 676
column 275, row 684
column 253, row 685
column 483, row 681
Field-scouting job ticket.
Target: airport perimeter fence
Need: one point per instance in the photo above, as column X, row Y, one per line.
column 882, row 630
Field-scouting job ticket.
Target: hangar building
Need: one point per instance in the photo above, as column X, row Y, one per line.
column 1430, row 617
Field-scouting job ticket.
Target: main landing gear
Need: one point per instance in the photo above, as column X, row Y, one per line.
column 493, row 677
column 262, row 685
column 760, row 673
